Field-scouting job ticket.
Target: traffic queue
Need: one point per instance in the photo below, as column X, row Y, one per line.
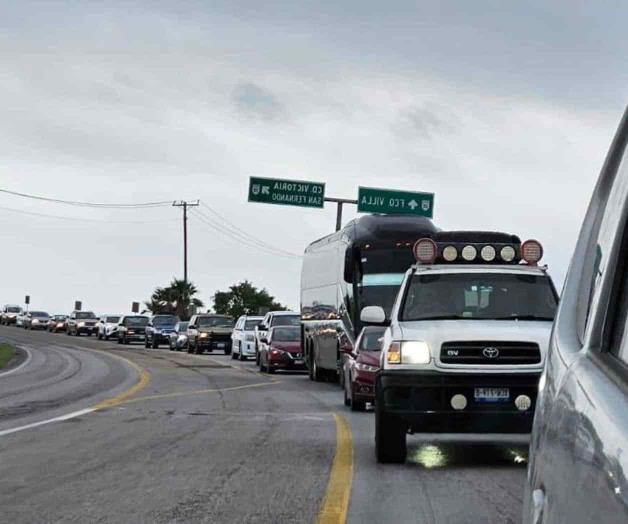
column 450, row 332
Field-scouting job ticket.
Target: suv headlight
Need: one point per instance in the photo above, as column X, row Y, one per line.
column 204, row 335
column 408, row 352
column 81, row 324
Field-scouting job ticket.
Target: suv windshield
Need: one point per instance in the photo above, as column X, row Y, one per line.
column 14, row 310
column 112, row 320
column 85, row 314
column 136, row 321
column 165, row 320
column 39, row 314
column 215, row 321
column 287, row 320
column 249, row 325
column 286, row 334
column 479, row 296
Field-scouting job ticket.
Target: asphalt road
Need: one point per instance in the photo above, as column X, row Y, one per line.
column 158, row 436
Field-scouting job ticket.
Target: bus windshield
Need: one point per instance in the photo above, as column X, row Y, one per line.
column 379, row 289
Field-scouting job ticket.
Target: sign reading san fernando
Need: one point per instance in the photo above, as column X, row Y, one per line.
column 286, row 192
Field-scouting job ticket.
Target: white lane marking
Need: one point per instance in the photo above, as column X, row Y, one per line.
column 67, row 416
column 28, row 359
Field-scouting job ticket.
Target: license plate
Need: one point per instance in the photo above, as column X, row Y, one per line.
column 299, row 362
column 492, row 394
column 220, row 345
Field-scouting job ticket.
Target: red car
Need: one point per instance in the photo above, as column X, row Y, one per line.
column 360, row 368
column 281, row 349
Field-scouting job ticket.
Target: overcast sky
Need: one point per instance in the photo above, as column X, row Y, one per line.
column 504, row 110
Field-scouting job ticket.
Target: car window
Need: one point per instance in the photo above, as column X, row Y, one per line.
column 608, row 200
column 286, row 320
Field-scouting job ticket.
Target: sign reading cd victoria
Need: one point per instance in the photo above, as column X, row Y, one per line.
column 391, row 202
column 286, row 192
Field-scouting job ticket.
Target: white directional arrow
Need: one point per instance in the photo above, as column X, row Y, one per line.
column 413, row 204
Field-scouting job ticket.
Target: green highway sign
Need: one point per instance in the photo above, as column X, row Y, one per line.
column 286, row 192
column 391, row 202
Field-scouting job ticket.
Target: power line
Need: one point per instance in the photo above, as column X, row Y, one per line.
column 140, row 205
column 237, row 231
column 247, row 238
column 79, row 219
column 241, row 240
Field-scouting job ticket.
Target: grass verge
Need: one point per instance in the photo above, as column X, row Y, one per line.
column 6, row 354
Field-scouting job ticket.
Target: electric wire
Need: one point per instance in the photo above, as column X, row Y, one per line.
column 79, row 219
column 242, row 233
column 239, row 239
column 78, row 203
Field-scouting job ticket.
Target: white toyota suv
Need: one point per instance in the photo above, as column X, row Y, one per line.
column 467, row 340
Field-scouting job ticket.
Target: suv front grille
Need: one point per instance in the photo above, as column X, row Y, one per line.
column 490, row 353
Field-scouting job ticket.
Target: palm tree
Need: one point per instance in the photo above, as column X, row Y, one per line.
column 181, row 295
column 160, row 302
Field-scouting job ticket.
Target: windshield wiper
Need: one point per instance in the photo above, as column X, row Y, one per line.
column 523, row 317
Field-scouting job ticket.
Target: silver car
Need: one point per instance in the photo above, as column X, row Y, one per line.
column 578, row 455
column 36, row 320
column 178, row 338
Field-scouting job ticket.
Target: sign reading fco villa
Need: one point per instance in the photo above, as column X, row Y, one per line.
column 391, row 202
column 286, row 192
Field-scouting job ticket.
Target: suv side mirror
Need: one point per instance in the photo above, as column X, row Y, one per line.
column 373, row 315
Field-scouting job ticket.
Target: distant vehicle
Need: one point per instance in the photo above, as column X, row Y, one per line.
column 272, row 319
column 467, row 340
column 243, row 337
column 107, row 326
column 210, row 332
column 159, row 329
column 578, row 469
column 20, row 318
column 361, row 265
column 9, row 314
column 36, row 320
column 359, row 370
column 57, row 323
column 132, row 328
column 80, row 322
column 280, row 348
column 178, row 337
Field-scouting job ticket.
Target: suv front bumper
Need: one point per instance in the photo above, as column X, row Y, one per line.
column 423, row 400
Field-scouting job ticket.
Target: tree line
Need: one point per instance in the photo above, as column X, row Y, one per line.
column 180, row 298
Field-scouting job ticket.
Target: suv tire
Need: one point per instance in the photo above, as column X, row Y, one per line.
column 390, row 438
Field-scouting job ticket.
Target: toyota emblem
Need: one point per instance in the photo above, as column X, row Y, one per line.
column 490, row 352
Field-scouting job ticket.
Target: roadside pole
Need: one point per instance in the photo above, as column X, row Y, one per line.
column 185, row 204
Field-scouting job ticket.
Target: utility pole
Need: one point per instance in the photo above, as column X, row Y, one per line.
column 339, row 201
column 185, row 204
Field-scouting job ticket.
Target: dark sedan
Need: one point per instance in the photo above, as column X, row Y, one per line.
column 159, row 329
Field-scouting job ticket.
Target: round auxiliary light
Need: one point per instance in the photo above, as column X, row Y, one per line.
column 531, row 251
column 458, row 402
column 488, row 253
column 450, row 253
column 469, row 253
column 523, row 402
column 424, row 251
column 507, row 253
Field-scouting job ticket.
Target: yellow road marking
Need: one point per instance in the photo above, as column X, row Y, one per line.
column 194, row 392
column 336, row 502
column 124, row 396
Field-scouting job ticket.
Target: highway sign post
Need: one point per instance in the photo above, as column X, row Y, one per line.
column 391, row 202
column 286, row 192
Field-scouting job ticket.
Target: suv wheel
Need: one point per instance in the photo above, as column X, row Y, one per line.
column 390, row 438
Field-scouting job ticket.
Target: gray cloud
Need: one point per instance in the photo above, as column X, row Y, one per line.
column 256, row 102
